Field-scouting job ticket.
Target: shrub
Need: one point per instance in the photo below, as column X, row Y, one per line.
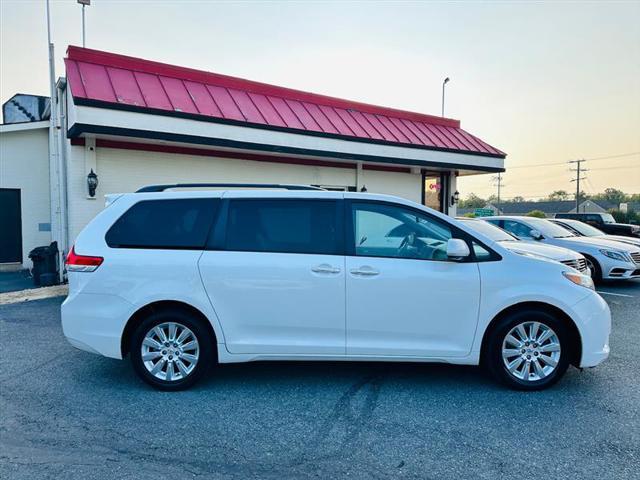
column 622, row 217
column 537, row 214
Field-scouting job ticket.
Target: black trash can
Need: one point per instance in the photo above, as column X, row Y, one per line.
column 45, row 265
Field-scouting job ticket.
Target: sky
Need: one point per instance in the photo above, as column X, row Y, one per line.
column 546, row 82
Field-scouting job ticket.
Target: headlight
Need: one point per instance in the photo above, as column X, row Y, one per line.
column 615, row 255
column 579, row 279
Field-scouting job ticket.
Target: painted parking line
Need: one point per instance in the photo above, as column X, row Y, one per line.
column 615, row 294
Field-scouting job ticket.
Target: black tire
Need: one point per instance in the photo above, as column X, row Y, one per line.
column 596, row 271
column 206, row 345
column 492, row 354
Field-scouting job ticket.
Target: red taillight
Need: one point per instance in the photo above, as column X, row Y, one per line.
column 82, row 263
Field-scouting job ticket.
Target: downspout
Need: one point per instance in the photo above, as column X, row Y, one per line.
column 62, row 162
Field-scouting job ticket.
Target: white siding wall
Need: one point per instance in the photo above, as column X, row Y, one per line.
column 24, row 164
column 127, row 170
column 406, row 185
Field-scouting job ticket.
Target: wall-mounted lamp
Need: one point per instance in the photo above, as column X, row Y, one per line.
column 92, row 183
column 455, row 198
column 363, row 189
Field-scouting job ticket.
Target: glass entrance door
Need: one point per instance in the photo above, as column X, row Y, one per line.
column 434, row 193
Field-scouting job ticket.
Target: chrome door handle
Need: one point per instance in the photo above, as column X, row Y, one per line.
column 325, row 268
column 365, row 272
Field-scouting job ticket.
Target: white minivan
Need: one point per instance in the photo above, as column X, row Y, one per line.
column 178, row 280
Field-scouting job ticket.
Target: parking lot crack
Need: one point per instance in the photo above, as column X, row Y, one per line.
column 346, row 421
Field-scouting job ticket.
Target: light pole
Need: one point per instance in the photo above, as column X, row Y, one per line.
column 84, row 3
column 446, row 80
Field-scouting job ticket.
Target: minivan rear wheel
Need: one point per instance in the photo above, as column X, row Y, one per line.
column 171, row 349
column 528, row 350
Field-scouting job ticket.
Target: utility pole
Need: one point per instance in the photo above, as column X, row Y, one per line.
column 579, row 170
column 498, row 182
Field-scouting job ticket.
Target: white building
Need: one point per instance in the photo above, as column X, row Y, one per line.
column 135, row 122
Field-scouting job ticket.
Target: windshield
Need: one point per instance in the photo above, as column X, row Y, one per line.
column 494, row 233
column 608, row 218
column 549, row 229
column 585, row 229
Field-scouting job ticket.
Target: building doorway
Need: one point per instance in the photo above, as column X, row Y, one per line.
column 434, row 191
column 11, row 223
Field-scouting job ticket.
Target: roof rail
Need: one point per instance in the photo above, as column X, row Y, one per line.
column 162, row 188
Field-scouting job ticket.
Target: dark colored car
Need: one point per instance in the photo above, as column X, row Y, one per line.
column 605, row 222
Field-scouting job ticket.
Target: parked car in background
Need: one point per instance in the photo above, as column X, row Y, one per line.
column 585, row 230
column 179, row 279
column 559, row 254
column 605, row 222
column 606, row 259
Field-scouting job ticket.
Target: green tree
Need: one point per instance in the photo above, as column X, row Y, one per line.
column 469, row 215
column 537, row 214
column 517, row 199
column 473, row 201
column 612, row 195
column 558, row 195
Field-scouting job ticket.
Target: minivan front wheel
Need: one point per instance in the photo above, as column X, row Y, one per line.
column 171, row 350
column 529, row 350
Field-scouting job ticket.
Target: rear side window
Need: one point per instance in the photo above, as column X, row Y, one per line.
column 165, row 224
column 283, row 226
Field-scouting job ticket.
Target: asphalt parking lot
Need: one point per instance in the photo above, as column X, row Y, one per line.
column 69, row 414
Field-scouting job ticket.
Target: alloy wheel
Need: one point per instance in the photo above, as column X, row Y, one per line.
column 591, row 267
column 531, row 351
column 170, row 351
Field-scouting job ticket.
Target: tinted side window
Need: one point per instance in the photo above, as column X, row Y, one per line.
column 167, row 224
column 284, row 226
column 518, row 229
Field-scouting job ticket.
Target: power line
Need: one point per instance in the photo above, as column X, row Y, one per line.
column 614, row 156
column 546, row 176
column 537, row 165
column 596, row 159
column 617, row 168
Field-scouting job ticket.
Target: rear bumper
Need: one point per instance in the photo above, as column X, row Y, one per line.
column 95, row 323
column 593, row 318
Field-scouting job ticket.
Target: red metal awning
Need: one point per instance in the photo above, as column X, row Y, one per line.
column 116, row 81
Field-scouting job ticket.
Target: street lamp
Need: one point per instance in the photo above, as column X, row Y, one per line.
column 84, row 3
column 446, row 80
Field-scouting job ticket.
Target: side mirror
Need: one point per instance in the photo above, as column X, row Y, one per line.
column 536, row 235
column 457, row 249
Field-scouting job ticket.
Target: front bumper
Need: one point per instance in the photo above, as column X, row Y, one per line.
column 593, row 318
column 615, row 269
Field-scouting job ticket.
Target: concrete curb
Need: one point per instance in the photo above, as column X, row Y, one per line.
column 33, row 294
